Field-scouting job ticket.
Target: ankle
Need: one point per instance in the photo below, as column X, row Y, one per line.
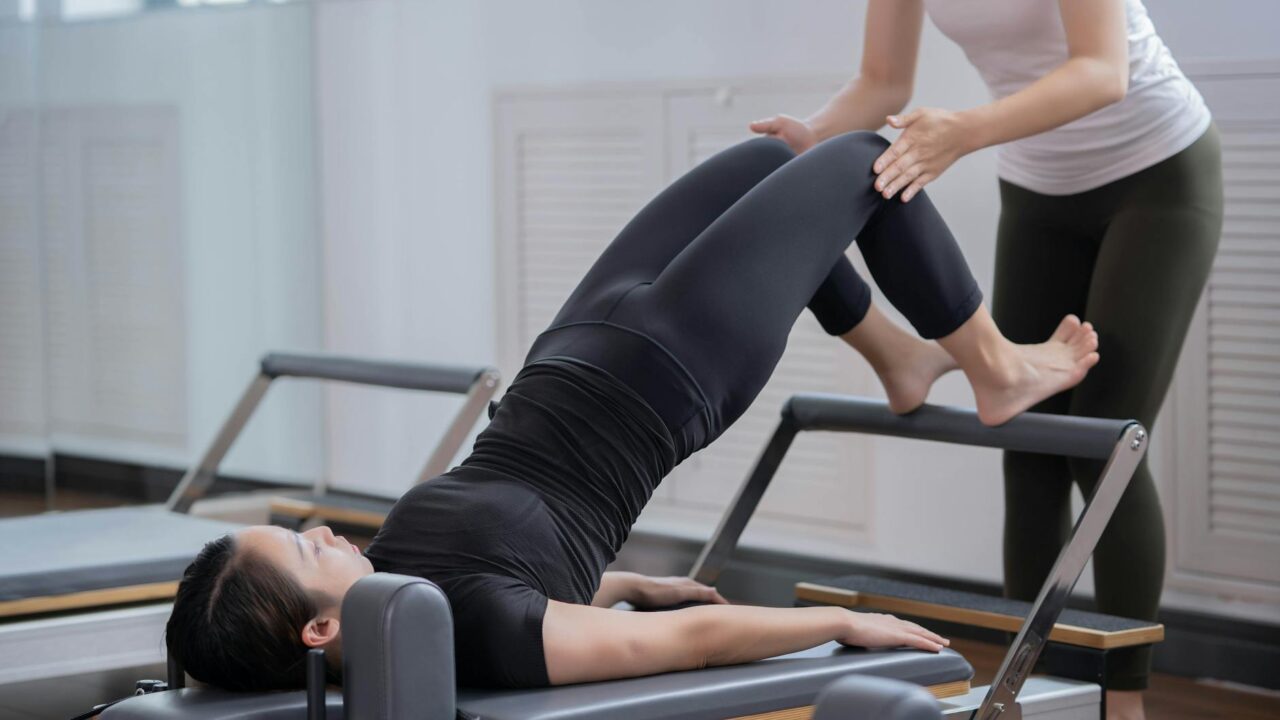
column 997, row 365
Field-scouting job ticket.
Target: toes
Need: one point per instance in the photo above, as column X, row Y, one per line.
column 1066, row 329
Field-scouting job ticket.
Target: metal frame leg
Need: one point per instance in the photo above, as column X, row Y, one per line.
column 715, row 554
column 1026, row 648
column 476, row 403
column 196, row 482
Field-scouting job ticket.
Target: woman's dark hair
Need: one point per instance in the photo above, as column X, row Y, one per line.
column 237, row 621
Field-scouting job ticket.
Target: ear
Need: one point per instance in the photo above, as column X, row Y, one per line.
column 320, row 631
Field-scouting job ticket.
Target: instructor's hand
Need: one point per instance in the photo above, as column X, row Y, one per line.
column 658, row 592
column 874, row 630
column 794, row 132
column 931, row 140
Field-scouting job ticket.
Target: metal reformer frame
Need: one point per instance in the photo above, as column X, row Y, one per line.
column 1122, row 443
column 478, row 384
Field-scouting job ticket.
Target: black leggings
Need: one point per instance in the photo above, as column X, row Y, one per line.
column 692, row 303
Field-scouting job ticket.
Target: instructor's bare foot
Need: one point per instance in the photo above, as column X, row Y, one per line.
column 908, row 380
column 1035, row 372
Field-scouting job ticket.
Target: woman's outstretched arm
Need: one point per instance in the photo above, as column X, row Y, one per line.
column 584, row 643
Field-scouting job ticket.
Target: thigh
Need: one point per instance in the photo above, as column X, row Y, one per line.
column 669, row 222
column 1150, row 272
column 726, row 304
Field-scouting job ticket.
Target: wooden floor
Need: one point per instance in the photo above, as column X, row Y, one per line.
column 1170, row 698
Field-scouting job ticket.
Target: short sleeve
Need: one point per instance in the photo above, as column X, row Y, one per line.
column 497, row 631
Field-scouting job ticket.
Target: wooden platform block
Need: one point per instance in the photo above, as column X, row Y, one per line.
column 1091, row 630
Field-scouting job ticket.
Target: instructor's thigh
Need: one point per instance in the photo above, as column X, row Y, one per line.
column 1150, row 272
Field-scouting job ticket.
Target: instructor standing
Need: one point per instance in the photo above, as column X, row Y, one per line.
column 1111, row 208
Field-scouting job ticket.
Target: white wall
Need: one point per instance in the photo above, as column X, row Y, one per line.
column 241, row 82
column 406, row 137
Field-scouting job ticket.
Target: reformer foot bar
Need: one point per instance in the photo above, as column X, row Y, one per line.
column 1122, row 443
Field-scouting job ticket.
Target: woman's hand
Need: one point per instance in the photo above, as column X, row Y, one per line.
column 874, row 630
column 658, row 592
column 931, row 140
column 794, row 132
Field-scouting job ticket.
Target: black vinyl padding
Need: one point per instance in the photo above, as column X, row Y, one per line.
column 858, row 697
column 1029, row 432
column 60, row 553
column 977, row 601
column 779, row 683
column 385, row 373
column 210, row 704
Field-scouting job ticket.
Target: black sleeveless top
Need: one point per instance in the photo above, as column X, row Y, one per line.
column 538, row 510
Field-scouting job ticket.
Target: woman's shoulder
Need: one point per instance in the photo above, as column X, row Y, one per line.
column 497, row 621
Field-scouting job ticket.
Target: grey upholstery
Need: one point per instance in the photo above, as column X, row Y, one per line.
column 96, row 549
column 388, row 373
column 858, row 697
column 775, row 684
column 397, row 650
column 210, row 704
column 1029, row 432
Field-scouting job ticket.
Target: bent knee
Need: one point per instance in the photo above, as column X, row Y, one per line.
column 860, row 143
column 767, row 151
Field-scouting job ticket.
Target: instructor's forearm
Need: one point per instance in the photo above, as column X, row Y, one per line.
column 1076, row 88
column 730, row 634
column 862, row 104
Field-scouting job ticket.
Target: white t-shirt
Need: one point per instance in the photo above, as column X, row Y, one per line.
column 1013, row 43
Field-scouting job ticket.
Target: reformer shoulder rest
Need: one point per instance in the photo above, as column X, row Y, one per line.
column 398, row 664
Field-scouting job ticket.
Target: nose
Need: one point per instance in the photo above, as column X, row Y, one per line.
column 320, row 534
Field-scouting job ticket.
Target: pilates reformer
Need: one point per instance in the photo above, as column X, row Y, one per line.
column 398, row 644
column 90, row 590
column 1122, row 443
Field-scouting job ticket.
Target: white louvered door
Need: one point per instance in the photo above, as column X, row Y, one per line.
column 823, row 483
column 1227, row 401
column 115, row 304
column 22, row 404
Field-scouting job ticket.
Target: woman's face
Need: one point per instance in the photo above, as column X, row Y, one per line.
column 317, row 559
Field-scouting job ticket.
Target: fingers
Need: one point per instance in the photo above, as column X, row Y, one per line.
column 907, row 633
column 711, row 595
column 921, row 642
column 901, row 173
column 916, row 186
column 704, row 593
column 888, row 157
column 927, row 633
column 901, row 121
column 767, row 126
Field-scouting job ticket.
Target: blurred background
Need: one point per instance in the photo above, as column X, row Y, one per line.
column 188, row 184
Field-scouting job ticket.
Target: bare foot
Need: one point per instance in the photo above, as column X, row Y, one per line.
column 1036, row 372
column 906, row 365
column 907, row 380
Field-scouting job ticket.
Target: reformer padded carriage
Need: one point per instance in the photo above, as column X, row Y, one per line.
column 398, row 644
column 86, row 561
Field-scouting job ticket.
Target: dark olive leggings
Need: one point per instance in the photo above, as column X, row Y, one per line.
column 1132, row 257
